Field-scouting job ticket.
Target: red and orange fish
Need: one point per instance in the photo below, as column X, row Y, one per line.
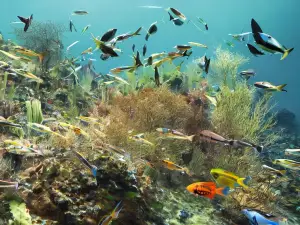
column 207, row 189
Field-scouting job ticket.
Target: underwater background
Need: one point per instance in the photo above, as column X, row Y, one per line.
column 278, row 18
column 194, row 137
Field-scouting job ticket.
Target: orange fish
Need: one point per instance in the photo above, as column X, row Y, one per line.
column 207, row 189
column 172, row 166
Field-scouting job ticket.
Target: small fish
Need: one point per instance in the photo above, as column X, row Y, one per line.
column 9, row 55
column 109, row 35
column 230, row 44
column 158, row 55
column 71, row 26
column 176, row 21
column 80, row 13
column 169, row 131
column 82, row 159
column 254, row 50
column 133, row 47
column 85, row 28
column 151, row 7
column 76, row 130
column 123, row 37
column 90, row 120
column 197, row 45
column 71, row 45
column 156, row 77
column 144, row 50
column 203, row 22
column 160, row 62
column 267, row 42
column 287, row 163
column 87, row 51
column 120, row 69
column 210, row 136
column 113, row 216
column 239, row 144
column 104, row 56
column 178, row 137
column 183, row 47
column 9, row 184
column 248, row 73
column 260, row 218
column 118, row 79
column 115, row 149
column 176, row 13
column 104, row 48
column 204, row 63
column 152, row 30
column 43, row 129
column 30, row 53
column 240, row 37
column 29, row 75
column 140, row 138
column 211, row 99
column 293, row 152
column 269, row 87
column 172, row 166
column 22, row 150
column 149, row 61
column 5, row 123
column 279, row 173
column 26, row 21
column 207, row 189
column 137, row 61
column 229, row 179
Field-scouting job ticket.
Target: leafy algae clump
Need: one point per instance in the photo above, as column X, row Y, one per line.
column 21, row 217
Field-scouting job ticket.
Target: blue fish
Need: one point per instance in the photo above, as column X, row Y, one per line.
column 256, row 218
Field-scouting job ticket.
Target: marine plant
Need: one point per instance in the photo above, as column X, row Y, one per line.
column 44, row 37
column 34, row 111
column 20, row 214
column 224, row 67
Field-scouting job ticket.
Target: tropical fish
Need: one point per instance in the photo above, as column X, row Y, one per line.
column 179, row 137
column 28, row 75
column 9, row 184
column 85, row 28
column 80, row 13
column 118, row 79
column 176, row 13
column 133, row 47
column 211, row 99
column 203, row 22
column 123, row 37
column 9, row 55
column 254, row 50
column 248, row 73
column 43, row 129
column 240, row 37
column 158, row 55
column 279, row 173
column 172, row 166
column 120, row 69
column 109, row 35
column 183, row 47
column 156, row 77
column 144, row 50
column 230, row 44
column 137, row 61
column 115, row 149
column 269, row 87
column 152, row 30
column 76, row 130
column 176, row 21
column 210, row 136
column 149, row 61
column 114, row 215
column 140, row 138
column 267, row 42
column 238, row 144
column 287, row 163
column 207, row 189
column 204, row 63
column 26, row 21
column 5, row 123
column 90, row 120
column 151, row 7
column 169, row 131
column 21, row 150
column 158, row 63
column 87, row 51
column 82, row 159
column 257, row 217
column 104, row 48
column 293, row 152
column 71, row 26
column 30, row 53
column 71, row 45
column 229, row 179
column 104, row 56
column 197, row 45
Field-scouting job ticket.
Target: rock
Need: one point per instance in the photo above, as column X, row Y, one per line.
column 286, row 119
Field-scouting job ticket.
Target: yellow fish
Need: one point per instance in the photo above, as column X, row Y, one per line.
column 197, row 45
column 29, row 75
column 88, row 51
column 287, row 163
column 229, row 179
column 11, row 56
column 140, row 138
column 43, row 129
column 76, row 130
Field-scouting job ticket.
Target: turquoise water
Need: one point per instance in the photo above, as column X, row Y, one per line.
column 223, row 17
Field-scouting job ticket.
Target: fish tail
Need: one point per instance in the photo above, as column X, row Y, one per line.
column 98, row 43
column 259, row 148
column 286, row 53
column 280, row 87
column 244, row 182
column 147, row 37
column 137, row 32
column 191, row 138
column 41, row 57
column 223, row 191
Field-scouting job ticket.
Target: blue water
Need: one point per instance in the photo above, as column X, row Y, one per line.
column 278, row 18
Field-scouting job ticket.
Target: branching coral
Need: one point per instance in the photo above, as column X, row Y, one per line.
column 224, row 67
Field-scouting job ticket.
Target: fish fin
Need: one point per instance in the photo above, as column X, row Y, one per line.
column 280, row 87
column 207, row 66
column 286, row 53
column 244, row 181
column 171, row 17
column 23, row 20
column 147, row 37
column 41, row 57
column 223, row 191
column 191, row 138
column 137, row 32
column 255, row 27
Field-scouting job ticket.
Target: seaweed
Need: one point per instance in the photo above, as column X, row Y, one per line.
column 20, row 214
column 34, row 111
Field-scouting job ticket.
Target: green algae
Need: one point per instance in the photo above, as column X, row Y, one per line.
column 20, row 214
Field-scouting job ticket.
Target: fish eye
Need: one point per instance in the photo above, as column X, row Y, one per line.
column 215, row 175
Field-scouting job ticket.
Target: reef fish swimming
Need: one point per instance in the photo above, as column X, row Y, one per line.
column 207, row 189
